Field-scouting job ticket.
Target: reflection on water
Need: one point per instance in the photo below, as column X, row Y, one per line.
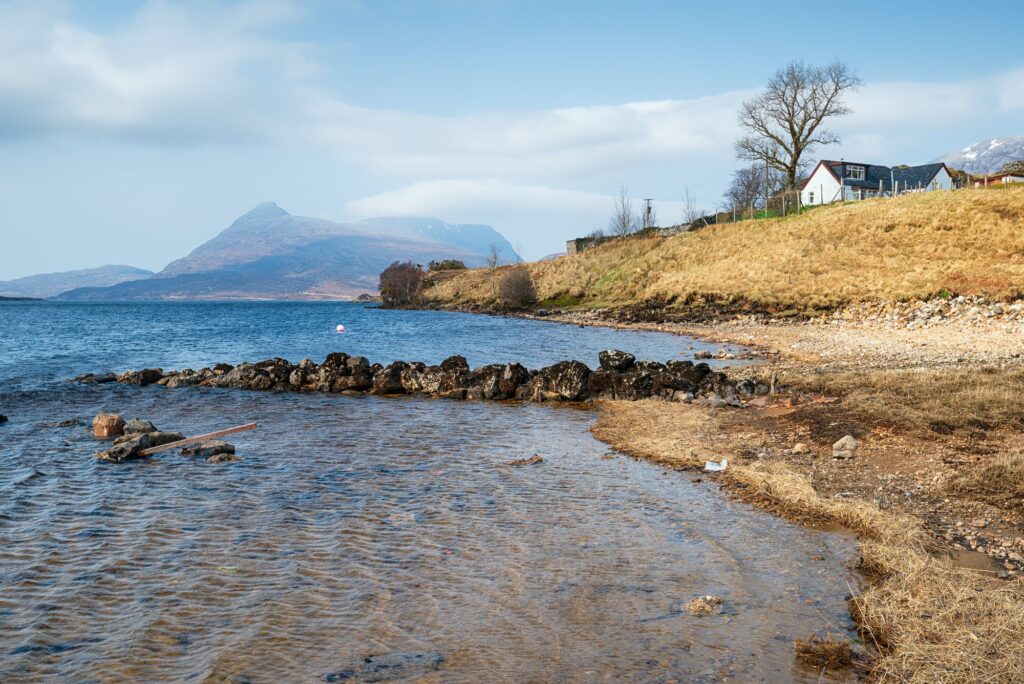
column 389, row 528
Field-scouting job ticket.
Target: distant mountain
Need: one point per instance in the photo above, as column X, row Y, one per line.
column 52, row 284
column 987, row 156
column 269, row 254
column 473, row 237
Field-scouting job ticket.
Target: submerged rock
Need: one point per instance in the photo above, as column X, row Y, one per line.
column 704, row 605
column 93, row 379
column 533, row 460
column 388, row 667
column 224, row 458
column 3, row 419
column 208, row 449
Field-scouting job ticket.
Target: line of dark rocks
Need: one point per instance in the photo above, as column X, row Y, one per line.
column 619, row 376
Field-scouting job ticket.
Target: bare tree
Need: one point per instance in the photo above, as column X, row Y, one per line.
column 493, row 256
column 623, row 221
column 784, row 122
column 750, row 187
column 691, row 212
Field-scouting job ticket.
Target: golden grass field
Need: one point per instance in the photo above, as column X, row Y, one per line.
column 911, row 247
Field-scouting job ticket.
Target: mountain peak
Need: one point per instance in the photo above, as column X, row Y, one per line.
column 263, row 211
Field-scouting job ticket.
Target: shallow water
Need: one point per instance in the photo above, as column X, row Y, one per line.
column 393, row 528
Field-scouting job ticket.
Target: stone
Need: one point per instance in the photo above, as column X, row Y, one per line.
column 566, row 379
column 107, row 425
column 91, row 379
column 979, row 523
column 130, row 447
column 702, row 354
column 388, row 667
column 389, row 380
column 533, row 460
column 137, row 425
column 704, row 605
column 845, row 447
column 208, row 449
column 224, row 458
column 146, row 376
column 801, row 448
column 615, row 360
column 3, row 419
column 681, row 396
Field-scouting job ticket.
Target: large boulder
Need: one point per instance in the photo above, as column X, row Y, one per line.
column 244, row 376
column 389, row 380
column 130, row 447
column 567, row 380
column 3, row 419
column 146, row 376
column 630, row 386
column 615, row 360
column 277, row 369
column 497, row 381
column 137, row 425
column 451, row 374
column 107, row 425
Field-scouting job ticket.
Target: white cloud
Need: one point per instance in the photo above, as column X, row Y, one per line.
column 539, row 217
column 220, row 74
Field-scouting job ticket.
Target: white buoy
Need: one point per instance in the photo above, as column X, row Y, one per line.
column 340, row 329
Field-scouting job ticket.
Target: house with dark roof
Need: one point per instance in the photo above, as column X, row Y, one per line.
column 839, row 181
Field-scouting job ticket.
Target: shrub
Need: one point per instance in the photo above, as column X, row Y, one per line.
column 400, row 283
column 516, row 288
column 446, row 265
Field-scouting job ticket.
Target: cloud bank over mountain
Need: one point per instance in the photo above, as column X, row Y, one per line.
column 234, row 82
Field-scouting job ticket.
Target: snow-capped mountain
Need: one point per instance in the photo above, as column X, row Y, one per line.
column 987, row 156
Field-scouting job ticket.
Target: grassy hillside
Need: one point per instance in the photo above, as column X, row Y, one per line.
column 918, row 246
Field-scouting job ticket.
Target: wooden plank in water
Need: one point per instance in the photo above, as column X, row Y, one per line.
column 197, row 439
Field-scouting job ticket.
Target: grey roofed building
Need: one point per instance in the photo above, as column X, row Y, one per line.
column 832, row 181
column 904, row 176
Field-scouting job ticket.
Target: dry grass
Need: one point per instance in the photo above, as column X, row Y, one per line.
column 911, row 247
column 825, row 652
column 930, row 621
column 927, row 399
column 999, row 482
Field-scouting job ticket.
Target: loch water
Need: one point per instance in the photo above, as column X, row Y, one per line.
column 366, row 538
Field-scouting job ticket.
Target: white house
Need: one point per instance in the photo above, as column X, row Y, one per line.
column 834, row 181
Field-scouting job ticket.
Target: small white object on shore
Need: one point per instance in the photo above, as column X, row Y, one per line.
column 713, row 467
column 340, row 329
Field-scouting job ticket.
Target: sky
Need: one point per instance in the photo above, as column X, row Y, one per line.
column 131, row 132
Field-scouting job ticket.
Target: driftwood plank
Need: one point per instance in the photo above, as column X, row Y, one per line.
column 198, row 438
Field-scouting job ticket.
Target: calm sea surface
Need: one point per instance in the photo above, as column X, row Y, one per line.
column 368, row 539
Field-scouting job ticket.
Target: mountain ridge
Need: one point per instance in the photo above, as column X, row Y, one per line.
column 986, row 156
column 44, row 285
column 268, row 253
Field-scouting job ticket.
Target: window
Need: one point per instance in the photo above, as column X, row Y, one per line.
column 855, row 172
column 811, row 195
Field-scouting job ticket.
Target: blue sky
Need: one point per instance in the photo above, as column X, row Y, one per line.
column 130, row 132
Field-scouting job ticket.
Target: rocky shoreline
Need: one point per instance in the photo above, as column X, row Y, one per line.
column 619, row 376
